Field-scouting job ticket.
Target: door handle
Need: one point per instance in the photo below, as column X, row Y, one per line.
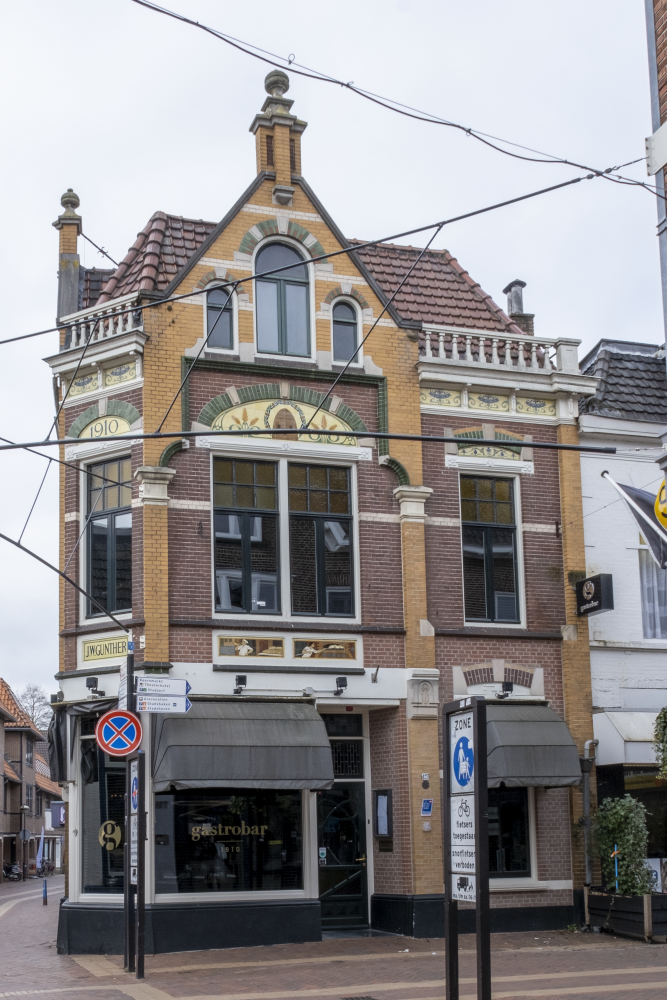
column 363, row 858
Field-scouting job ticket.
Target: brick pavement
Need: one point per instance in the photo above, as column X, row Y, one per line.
column 553, row 964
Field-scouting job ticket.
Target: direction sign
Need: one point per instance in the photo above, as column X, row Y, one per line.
column 162, row 703
column 122, row 686
column 118, row 733
column 162, row 685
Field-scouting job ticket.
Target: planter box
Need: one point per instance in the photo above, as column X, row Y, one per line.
column 642, row 917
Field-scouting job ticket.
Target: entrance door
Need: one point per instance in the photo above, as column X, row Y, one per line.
column 341, row 824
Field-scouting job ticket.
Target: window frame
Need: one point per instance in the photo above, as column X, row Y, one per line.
column 532, row 881
column 298, row 248
column 517, row 527
column 273, row 454
column 233, row 307
column 348, row 301
column 91, row 610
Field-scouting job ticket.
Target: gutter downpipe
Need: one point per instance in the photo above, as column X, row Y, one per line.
column 660, row 176
column 587, row 762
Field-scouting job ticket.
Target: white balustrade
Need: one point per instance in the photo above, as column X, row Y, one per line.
column 525, row 352
column 99, row 323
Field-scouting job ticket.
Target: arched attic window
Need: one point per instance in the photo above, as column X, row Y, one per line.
column 220, row 318
column 282, row 302
column 344, row 331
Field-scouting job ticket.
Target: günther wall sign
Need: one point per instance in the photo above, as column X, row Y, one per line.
column 466, row 852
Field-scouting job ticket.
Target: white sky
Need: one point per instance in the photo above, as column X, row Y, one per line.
column 137, row 113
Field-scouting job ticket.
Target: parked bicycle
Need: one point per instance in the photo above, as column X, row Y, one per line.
column 45, row 869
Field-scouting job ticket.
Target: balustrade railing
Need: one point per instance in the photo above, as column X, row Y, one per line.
column 100, row 323
column 492, row 349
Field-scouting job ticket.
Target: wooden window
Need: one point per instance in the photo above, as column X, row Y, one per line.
column 344, row 332
column 110, row 535
column 282, row 310
column 220, row 318
column 489, row 549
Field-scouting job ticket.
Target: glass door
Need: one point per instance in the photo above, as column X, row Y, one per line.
column 341, row 824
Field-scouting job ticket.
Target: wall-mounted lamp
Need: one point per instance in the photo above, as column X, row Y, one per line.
column 241, row 682
column 341, row 684
column 91, row 684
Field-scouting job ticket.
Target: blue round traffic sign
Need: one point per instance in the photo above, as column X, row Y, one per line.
column 464, row 761
column 118, row 733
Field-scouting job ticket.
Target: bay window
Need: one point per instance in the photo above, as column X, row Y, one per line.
column 110, row 535
column 489, row 549
column 309, row 536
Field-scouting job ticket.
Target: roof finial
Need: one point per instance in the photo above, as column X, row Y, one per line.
column 276, row 83
column 70, row 200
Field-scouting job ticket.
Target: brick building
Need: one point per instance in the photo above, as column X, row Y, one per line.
column 402, row 574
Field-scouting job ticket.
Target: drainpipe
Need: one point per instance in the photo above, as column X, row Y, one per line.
column 587, row 762
column 655, row 125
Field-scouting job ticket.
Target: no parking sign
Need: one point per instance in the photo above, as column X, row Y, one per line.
column 118, row 733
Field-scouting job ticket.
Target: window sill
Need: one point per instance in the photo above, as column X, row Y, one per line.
column 528, row 884
column 229, row 897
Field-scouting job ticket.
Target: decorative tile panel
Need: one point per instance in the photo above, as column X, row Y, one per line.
column 536, row 407
column 243, row 646
column 325, row 649
column 326, row 428
column 121, row 373
column 85, row 383
column 440, row 397
column 488, row 401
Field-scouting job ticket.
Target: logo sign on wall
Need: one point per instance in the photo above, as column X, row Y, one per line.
column 595, row 595
column 118, row 733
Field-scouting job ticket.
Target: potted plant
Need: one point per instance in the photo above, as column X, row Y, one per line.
column 624, row 903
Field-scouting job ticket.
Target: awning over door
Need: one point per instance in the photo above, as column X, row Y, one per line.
column 529, row 745
column 236, row 744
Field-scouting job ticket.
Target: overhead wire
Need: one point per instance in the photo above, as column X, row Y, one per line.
column 100, row 249
column 299, row 69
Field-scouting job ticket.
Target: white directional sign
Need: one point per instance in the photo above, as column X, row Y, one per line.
column 461, row 753
column 162, row 685
column 163, row 703
column 122, row 686
column 464, row 887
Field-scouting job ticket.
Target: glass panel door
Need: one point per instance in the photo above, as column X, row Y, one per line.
column 341, row 825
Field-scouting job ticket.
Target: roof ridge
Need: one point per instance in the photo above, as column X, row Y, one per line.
column 12, row 704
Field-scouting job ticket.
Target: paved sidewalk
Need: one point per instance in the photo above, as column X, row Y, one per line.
column 553, row 964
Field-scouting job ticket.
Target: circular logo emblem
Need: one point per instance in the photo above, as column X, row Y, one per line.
column 588, row 590
column 464, row 761
column 135, row 793
column 109, row 835
column 118, row 733
column 661, row 505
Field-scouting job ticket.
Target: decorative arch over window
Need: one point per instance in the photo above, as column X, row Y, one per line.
column 282, row 302
column 115, row 408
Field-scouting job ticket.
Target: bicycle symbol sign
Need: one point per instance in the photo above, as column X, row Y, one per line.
column 118, row 733
column 464, row 808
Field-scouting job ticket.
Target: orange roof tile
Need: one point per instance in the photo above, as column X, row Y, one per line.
column 11, row 773
column 49, row 786
column 10, row 702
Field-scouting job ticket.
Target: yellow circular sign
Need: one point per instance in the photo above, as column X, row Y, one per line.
column 105, row 427
column 109, row 835
column 661, row 505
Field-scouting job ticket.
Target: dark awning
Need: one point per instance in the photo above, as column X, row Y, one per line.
column 529, row 745
column 235, row 744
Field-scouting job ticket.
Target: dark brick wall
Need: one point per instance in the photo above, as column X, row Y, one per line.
column 389, row 769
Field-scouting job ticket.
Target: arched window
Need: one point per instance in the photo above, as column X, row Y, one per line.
column 344, row 332
column 220, row 318
column 282, row 303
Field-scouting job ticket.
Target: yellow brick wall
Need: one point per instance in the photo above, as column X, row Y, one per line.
column 67, row 235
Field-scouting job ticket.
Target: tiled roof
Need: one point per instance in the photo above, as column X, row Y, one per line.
column 91, row 280
column 43, row 778
column 10, row 773
column 633, row 382
column 161, row 249
column 9, row 701
column 438, row 291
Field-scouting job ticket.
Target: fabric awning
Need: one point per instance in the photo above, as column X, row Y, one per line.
column 236, row 744
column 624, row 737
column 529, row 745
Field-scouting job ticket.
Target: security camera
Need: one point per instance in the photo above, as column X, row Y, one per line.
column 341, row 684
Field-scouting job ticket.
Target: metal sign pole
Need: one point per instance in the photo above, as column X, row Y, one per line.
column 141, row 865
column 466, row 846
column 128, row 888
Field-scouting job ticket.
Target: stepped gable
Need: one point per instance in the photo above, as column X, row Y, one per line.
column 161, row 249
column 438, row 291
column 633, row 381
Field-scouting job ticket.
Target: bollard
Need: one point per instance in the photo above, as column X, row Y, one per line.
column 45, row 900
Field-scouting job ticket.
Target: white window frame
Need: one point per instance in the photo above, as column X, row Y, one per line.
column 312, row 327
column 224, row 351
column 273, row 454
column 492, row 473
column 359, row 362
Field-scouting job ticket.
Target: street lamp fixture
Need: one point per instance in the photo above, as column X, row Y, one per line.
column 22, row 811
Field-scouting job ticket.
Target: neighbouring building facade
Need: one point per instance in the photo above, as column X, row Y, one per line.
column 28, row 789
column 628, row 644
column 323, row 593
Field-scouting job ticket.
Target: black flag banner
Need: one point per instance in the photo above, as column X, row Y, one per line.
column 642, row 505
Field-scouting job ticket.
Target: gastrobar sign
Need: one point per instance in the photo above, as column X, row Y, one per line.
column 595, row 594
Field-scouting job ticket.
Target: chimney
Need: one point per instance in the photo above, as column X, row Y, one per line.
column 69, row 226
column 514, row 293
column 278, row 137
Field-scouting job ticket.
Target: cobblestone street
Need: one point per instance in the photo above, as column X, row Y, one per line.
column 382, row 968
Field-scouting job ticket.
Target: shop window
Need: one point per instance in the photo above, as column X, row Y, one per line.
column 344, row 331
column 509, row 843
column 220, row 319
column 489, row 549
column 103, row 818
column 320, row 544
column 281, row 302
column 653, row 582
column 228, row 840
column 110, row 536
column 29, row 752
column 350, row 724
column 246, row 542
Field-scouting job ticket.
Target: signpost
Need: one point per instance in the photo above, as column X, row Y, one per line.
column 118, row 733
column 465, row 822
column 162, row 704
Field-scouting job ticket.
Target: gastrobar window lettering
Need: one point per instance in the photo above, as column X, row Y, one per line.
column 223, row 840
column 489, row 549
column 110, row 535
